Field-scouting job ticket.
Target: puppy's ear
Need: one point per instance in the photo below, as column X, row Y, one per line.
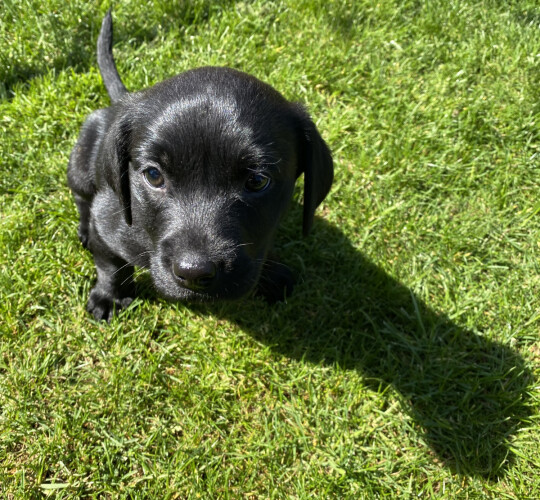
column 116, row 163
column 315, row 162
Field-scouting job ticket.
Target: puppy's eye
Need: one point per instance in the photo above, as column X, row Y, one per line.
column 256, row 183
column 154, row 177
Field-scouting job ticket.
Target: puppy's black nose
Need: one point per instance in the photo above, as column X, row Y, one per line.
column 194, row 273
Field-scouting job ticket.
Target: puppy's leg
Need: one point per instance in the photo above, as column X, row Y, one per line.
column 84, row 219
column 114, row 289
column 81, row 169
column 276, row 282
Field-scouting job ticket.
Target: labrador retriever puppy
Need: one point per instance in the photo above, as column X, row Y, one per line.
column 190, row 179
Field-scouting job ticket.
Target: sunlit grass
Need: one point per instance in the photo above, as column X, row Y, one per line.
column 405, row 363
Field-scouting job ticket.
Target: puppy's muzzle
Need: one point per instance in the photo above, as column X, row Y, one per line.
column 194, row 272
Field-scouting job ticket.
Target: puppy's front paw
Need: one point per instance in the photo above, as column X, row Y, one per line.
column 276, row 282
column 102, row 304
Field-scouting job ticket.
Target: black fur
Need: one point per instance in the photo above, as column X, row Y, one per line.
column 213, row 136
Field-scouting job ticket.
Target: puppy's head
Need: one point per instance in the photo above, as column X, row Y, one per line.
column 204, row 165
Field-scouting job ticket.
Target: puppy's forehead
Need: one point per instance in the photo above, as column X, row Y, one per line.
column 232, row 120
column 197, row 118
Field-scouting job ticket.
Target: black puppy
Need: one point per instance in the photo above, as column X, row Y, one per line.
column 189, row 179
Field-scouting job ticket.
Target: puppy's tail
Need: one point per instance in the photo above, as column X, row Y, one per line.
column 107, row 67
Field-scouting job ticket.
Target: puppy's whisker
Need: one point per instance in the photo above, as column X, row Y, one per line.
column 233, row 248
column 121, row 212
column 129, row 280
column 126, row 265
column 134, row 262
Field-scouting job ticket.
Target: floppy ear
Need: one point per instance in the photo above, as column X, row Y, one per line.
column 315, row 162
column 116, row 163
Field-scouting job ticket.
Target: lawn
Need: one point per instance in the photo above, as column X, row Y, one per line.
column 406, row 362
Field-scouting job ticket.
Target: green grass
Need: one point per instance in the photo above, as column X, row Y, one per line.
column 405, row 364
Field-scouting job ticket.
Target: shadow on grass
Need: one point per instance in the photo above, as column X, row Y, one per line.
column 466, row 393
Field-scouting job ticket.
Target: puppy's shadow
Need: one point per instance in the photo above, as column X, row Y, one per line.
column 466, row 393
